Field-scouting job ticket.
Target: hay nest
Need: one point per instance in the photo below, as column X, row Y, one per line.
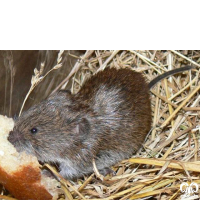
column 170, row 154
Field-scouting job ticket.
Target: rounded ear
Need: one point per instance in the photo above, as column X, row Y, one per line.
column 83, row 128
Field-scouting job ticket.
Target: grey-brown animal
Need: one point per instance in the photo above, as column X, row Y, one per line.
column 108, row 120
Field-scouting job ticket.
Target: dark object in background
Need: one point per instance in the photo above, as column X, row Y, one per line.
column 16, row 70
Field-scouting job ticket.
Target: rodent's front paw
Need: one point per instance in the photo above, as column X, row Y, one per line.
column 107, row 171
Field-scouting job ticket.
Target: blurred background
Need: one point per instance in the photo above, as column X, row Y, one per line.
column 16, row 70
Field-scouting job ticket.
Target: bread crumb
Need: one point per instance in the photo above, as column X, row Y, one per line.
column 20, row 171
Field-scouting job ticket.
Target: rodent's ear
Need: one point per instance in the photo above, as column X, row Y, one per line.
column 83, row 127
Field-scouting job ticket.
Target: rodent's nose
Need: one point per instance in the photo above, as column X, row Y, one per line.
column 13, row 137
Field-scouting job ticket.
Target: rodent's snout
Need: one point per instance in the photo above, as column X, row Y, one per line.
column 14, row 137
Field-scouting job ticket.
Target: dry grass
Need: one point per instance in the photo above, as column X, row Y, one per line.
column 170, row 154
column 37, row 77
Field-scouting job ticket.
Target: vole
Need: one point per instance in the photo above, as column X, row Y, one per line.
column 108, row 120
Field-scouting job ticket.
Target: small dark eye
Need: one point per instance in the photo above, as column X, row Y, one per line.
column 34, row 130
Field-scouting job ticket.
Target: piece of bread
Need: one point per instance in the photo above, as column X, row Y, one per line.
column 20, row 173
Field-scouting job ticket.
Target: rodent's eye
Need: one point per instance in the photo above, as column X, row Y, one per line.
column 34, row 130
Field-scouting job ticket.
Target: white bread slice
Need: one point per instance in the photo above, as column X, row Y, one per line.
column 20, row 173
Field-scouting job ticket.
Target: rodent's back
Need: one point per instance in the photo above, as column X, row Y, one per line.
column 120, row 99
